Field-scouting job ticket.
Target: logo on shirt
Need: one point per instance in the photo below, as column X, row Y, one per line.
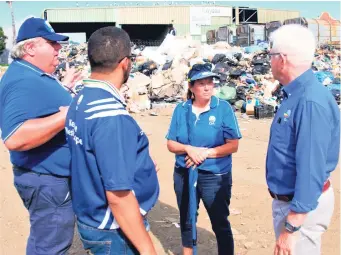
column 79, row 101
column 211, row 120
column 287, row 115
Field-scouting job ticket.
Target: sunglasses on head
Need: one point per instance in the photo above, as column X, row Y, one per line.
column 202, row 67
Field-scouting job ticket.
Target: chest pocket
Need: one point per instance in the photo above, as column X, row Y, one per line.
column 282, row 131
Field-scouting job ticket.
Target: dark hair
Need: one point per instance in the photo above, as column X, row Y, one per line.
column 107, row 46
column 190, row 94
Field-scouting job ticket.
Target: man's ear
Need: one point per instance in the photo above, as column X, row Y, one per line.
column 30, row 48
column 125, row 63
column 283, row 61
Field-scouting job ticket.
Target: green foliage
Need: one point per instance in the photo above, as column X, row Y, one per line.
column 3, row 38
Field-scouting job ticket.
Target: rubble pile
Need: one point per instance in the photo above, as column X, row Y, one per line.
column 158, row 74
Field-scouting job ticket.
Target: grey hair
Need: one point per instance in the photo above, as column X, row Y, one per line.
column 296, row 41
column 18, row 50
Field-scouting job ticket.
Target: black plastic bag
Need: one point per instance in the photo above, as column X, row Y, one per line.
column 260, row 61
column 260, row 69
column 236, row 72
column 167, row 65
column 73, row 52
column 238, row 56
column 221, row 68
column 241, row 93
column 218, row 58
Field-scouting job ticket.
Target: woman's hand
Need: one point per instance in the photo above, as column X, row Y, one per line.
column 195, row 155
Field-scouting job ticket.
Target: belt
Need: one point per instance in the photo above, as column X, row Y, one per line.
column 25, row 170
column 288, row 198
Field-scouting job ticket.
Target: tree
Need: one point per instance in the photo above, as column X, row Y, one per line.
column 13, row 21
column 3, row 38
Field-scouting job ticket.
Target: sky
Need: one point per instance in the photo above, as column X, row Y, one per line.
column 25, row 9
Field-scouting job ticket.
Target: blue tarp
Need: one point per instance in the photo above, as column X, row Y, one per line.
column 252, row 49
column 334, row 86
column 321, row 75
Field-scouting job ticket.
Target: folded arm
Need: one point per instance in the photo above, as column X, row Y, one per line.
column 35, row 132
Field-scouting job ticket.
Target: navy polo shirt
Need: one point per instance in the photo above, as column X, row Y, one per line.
column 304, row 142
column 27, row 93
column 109, row 152
column 209, row 130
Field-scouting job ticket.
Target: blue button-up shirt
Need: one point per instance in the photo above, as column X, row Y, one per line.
column 304, row 142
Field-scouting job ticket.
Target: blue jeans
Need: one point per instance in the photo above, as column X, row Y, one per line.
column 106, row 242
column 48, row 201
column 215, row 191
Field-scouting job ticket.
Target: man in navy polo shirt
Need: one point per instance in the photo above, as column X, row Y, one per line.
column 33, row 107
column 114, row 182
column 303, row 148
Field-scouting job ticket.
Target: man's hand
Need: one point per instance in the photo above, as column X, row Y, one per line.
column 126, row 211
column 71, row 76
column 285, row 243
column 196, row 154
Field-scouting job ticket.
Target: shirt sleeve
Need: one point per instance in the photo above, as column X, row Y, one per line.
column 19, row 103
column 173, row 128
column 230, row 125
column 115, row 148
column 313, row 136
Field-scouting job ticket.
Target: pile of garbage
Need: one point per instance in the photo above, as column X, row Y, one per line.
column 327, row 69
column 158, row 75
column 73, row 55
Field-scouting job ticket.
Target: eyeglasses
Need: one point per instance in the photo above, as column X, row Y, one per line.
column 131, row 57
column 276, row 54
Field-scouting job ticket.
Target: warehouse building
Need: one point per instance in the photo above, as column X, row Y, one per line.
column 149, row 24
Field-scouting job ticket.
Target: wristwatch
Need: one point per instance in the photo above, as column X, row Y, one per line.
column 290, row 228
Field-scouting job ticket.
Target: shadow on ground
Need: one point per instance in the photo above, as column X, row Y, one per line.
column 164, row 223
column 164, row 220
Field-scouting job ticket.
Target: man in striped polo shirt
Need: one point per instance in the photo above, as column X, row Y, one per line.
column 114, row 181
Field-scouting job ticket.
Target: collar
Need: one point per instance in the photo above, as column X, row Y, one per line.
column 92, row 83
column 30, row 66
column 33, row 68
column 215, row 101
column 299, row 83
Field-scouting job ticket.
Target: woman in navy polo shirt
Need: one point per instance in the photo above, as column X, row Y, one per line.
column 203, row 134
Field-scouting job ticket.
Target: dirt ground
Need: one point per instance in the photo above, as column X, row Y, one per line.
column 250, row 206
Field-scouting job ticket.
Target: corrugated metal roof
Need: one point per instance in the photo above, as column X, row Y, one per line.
column 267, row 15
column 152, row 15
column 82, row 15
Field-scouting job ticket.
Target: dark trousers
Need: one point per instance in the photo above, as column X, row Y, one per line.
column 48, row 201
column 215, row 192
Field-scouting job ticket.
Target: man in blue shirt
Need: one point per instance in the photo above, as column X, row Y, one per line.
column 114, row 182
column 33, row 107
column 303, row 148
